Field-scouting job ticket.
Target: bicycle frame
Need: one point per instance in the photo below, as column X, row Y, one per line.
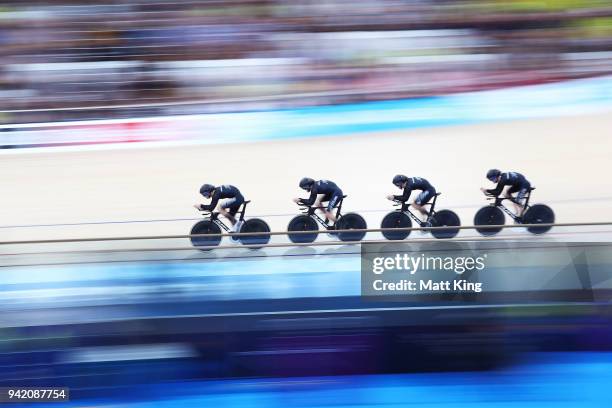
column 499, row 204
column 405, row 209
column 214, row 216
column 311, row 212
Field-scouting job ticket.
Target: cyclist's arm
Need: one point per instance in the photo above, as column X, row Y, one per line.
column 310, row 200
column 405, row 195
column 213, row 202
column 497, row 190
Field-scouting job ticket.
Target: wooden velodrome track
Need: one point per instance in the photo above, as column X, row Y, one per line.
column 567, row 159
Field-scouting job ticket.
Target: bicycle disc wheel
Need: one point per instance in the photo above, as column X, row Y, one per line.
column 445, row 218
column 489, row 215
column 302, row 223
column 205, row 227
column 255, row 225
column 539, row 214
column 396, row 219
column 351, row 221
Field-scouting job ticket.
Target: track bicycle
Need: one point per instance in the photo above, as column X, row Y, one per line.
column 493, row 215
column 401, row 218
column 212, row 225
column 309, row 220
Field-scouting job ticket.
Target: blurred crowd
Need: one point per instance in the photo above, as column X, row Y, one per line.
column 75, row 59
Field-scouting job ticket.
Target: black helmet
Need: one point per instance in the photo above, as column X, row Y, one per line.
column 493, row 174
column 399, row 179
column 306, row 183
column 206, row 190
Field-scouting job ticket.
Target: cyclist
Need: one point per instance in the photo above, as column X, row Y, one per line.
column 228, row 207
column 516, row 182
column 414, row 183
column 321, row 191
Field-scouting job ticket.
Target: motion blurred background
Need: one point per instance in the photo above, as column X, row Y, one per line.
column 213, row 56
column 113, row 114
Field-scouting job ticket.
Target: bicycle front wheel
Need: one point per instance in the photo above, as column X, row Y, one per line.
column 396, row 219
column 302, row 223
column 203, row 228
column 489, row 216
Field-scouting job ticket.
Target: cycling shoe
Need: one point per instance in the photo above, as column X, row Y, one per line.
column 425, row 227
column 332, row 233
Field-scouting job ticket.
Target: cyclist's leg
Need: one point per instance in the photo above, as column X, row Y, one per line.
column 331, row 204
column 520, row 199
column 518, row 209
column 321, row 205
column 229, row 208
column 421, row 200
column 318, row 204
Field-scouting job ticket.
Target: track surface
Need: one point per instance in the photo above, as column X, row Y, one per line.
column 567, row 159
column 103, row 193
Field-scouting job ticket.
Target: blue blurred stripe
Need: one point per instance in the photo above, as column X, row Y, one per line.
column 540, row 380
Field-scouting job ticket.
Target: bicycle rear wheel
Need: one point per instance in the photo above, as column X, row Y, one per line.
column 489, row 215
column 351, row 221
column 396, row 219
column 445, row 218
column 205, row 227
column 255, row 225
column 539, row 214
column 302, row 223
